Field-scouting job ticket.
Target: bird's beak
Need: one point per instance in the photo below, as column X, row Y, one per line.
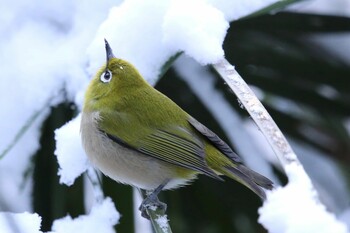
column 109, row 52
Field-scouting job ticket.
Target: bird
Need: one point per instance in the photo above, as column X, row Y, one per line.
column 137, row 136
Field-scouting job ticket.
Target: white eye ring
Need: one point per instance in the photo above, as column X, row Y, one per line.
column 106, row 76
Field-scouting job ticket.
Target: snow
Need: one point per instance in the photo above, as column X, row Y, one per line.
column 345, row 217
column 295, row 208
column 335, row 195
column 199, row 35
column 102, row 218
column 20, row 223
column 68, row 144
column 162, row 221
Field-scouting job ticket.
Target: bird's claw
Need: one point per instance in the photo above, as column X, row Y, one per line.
column 151, row 203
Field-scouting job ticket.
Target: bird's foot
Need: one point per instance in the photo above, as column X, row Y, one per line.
column 151, row 202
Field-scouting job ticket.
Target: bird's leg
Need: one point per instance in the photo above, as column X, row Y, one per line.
column 152, row 201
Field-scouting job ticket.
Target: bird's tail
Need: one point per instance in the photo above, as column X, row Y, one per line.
column 251, row 179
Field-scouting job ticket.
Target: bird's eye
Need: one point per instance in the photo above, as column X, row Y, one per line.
column 106, row 76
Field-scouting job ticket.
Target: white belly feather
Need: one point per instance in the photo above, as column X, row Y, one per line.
column 122, row 164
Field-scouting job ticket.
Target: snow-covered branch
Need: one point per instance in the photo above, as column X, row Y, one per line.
column 257, row 111
column 284, row 209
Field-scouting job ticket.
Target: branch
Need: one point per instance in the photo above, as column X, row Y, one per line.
column 158, row 218
column 256, row 110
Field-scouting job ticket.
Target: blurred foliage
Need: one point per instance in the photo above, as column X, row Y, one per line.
column 277, row 54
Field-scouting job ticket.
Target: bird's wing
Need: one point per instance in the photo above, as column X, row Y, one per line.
column 215, row 140
column 174, row 145
column 238, row 171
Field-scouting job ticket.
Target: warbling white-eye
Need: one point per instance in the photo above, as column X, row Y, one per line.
column 136, row 135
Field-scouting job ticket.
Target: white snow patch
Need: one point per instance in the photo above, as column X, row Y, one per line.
column 295, row 208
column 345, row 217
column 197, row 28
column 162, row 221
column 20, row 223
column 69, row 151
column 102, row 218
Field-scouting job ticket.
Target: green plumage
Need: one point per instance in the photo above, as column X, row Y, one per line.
column 136, row 116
